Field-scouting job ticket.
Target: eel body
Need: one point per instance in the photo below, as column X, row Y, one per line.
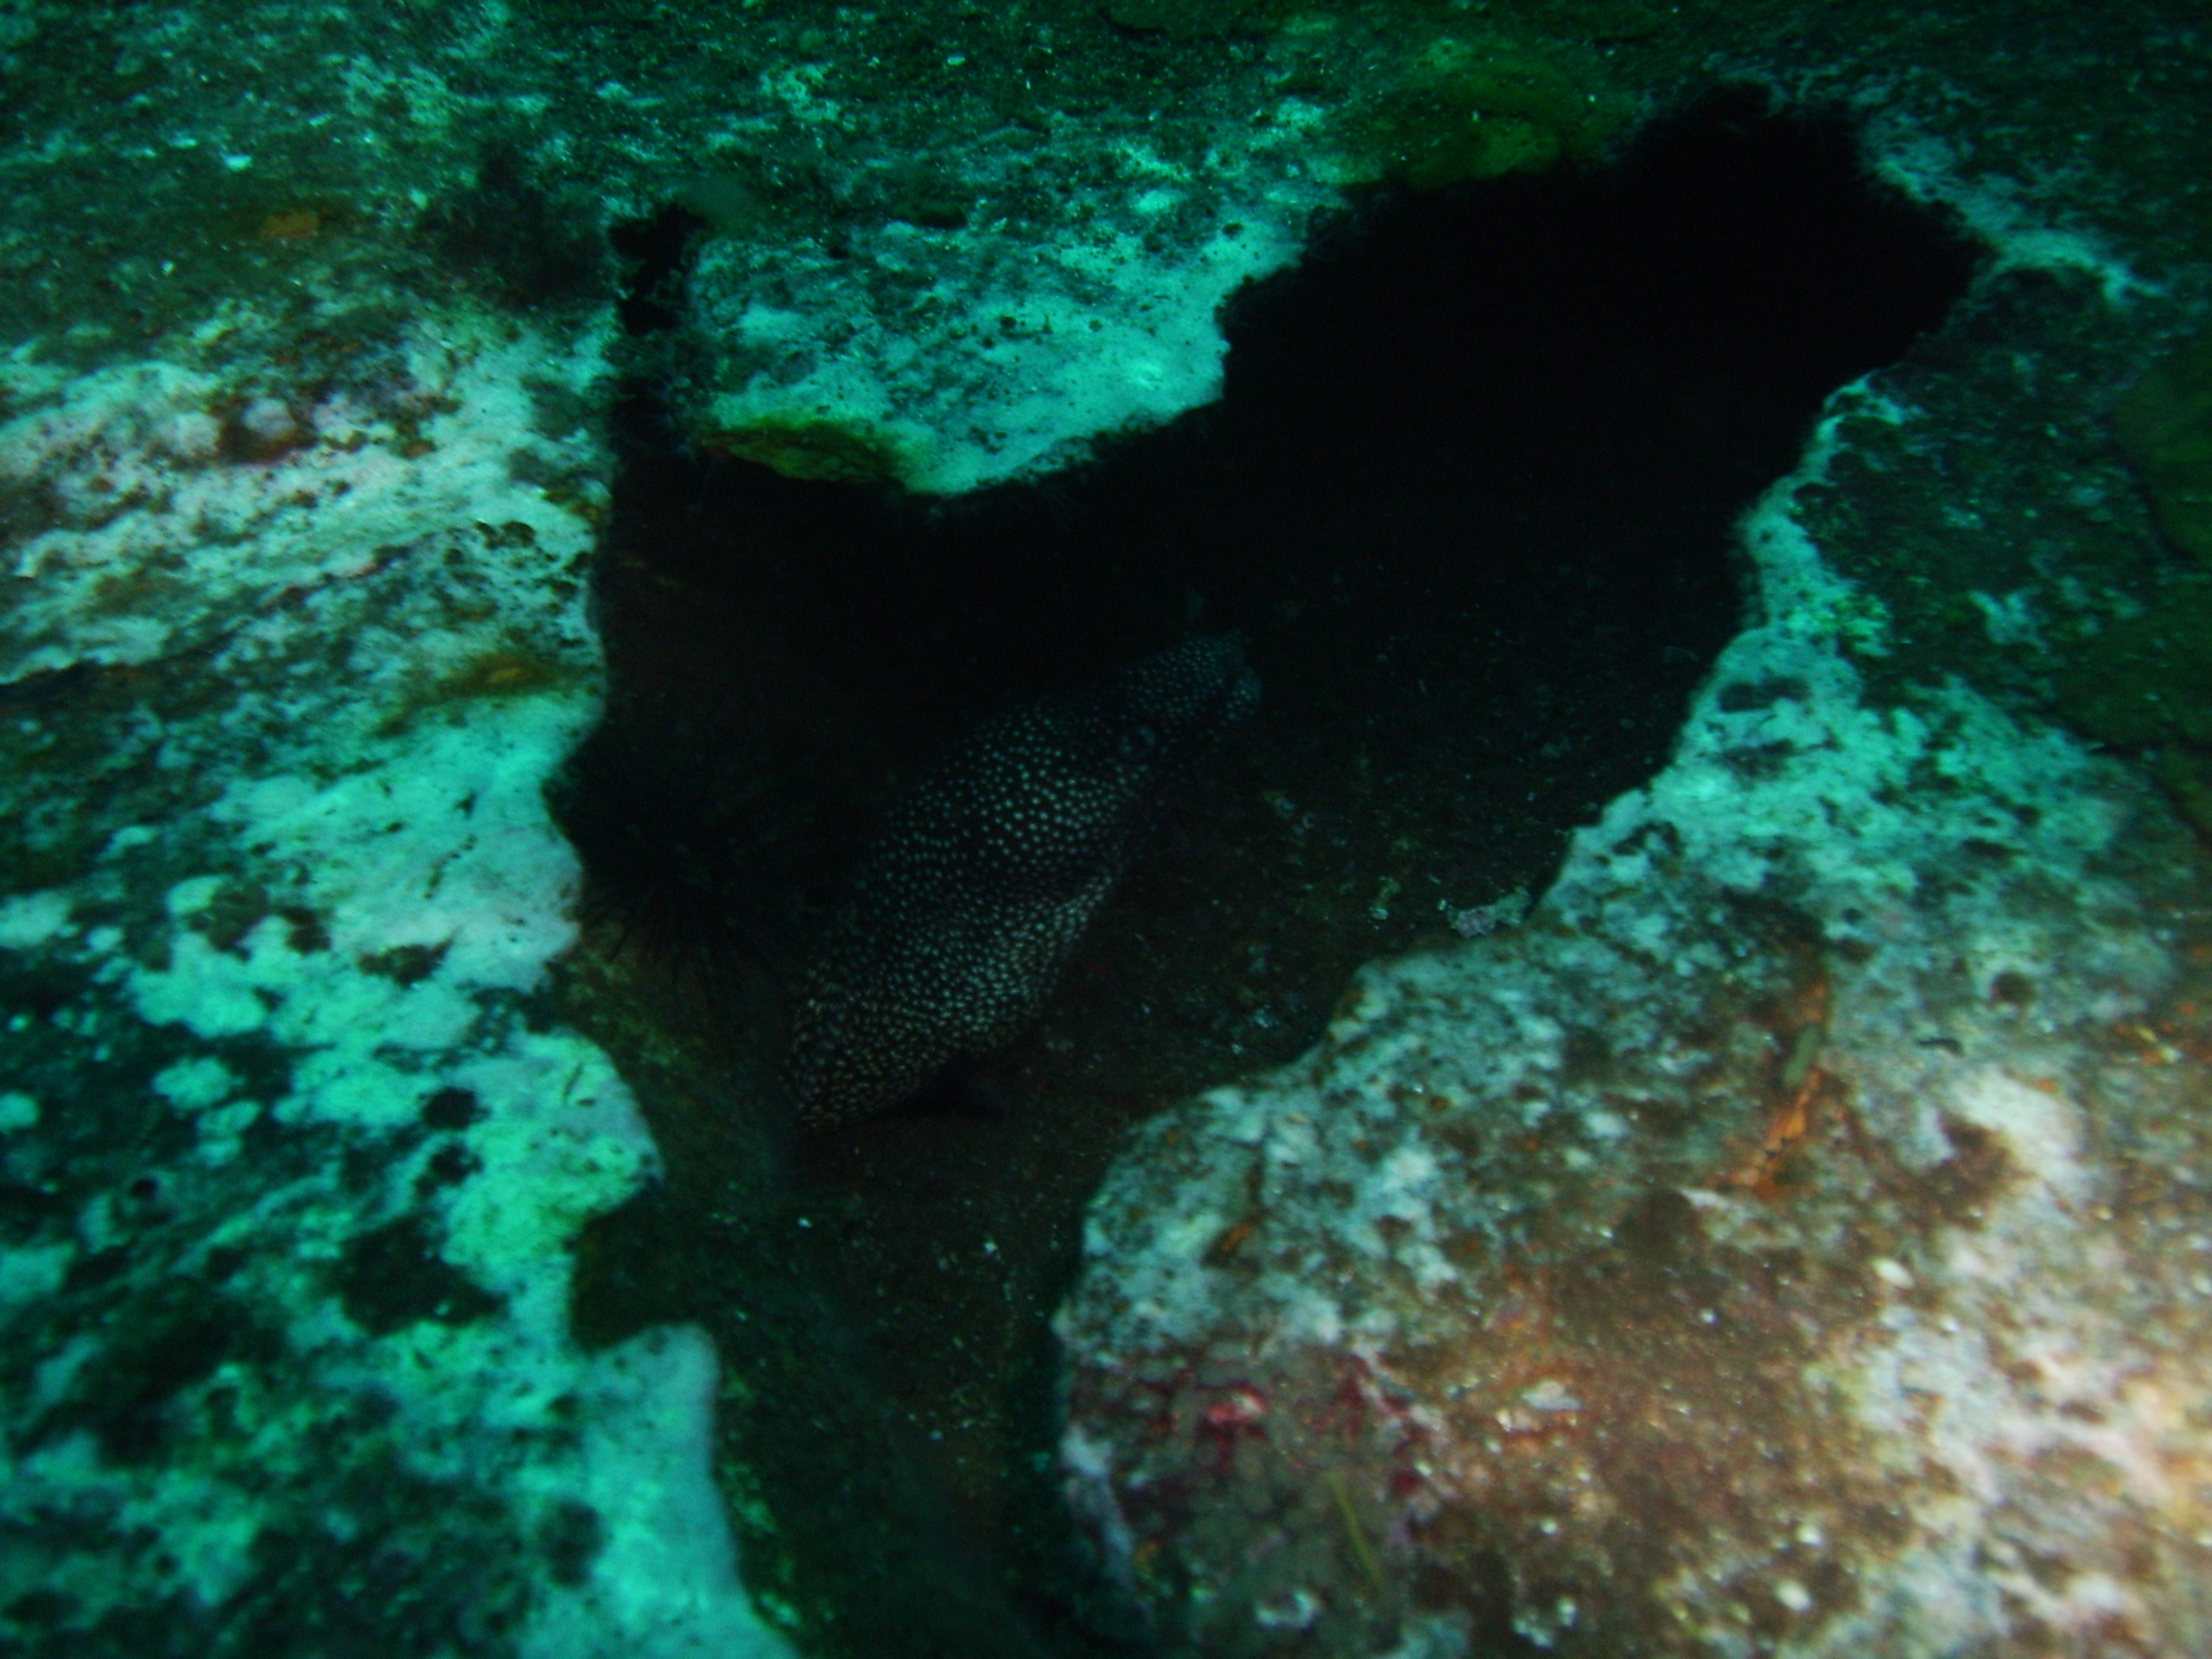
column 970, row 899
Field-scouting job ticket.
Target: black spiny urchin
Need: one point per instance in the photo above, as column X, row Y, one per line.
column 696, row 849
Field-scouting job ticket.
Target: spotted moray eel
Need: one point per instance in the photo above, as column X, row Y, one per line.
column 968, row 904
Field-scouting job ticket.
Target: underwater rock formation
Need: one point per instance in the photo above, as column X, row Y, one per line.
column 1793, row 1241
column 292, row 1178
column 968, row 904
column 2165, row 425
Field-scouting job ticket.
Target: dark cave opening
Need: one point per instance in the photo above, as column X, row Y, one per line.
column 1468, row 499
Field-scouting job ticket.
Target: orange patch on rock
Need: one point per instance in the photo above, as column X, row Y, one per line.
column 291, row 224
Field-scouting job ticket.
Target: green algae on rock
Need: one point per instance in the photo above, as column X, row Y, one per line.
column 1483, row 110
column 2146, row 684
column 2164, row 425
column 815, row 451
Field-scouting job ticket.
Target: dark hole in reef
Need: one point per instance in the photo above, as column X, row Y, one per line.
column 1469, row 498
column 657, row 252
column 531, row 248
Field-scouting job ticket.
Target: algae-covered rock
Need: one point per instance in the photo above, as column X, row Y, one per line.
column 2164, row 423
column 1595, row 20
column 1482, row 110
column 2146, row 684
column 2148, row 680
column 2186, row 773
column 815, row 451
column 1195, row 20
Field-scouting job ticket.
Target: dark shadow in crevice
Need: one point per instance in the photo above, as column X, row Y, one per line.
column 657, row 255
column 1469, row 497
